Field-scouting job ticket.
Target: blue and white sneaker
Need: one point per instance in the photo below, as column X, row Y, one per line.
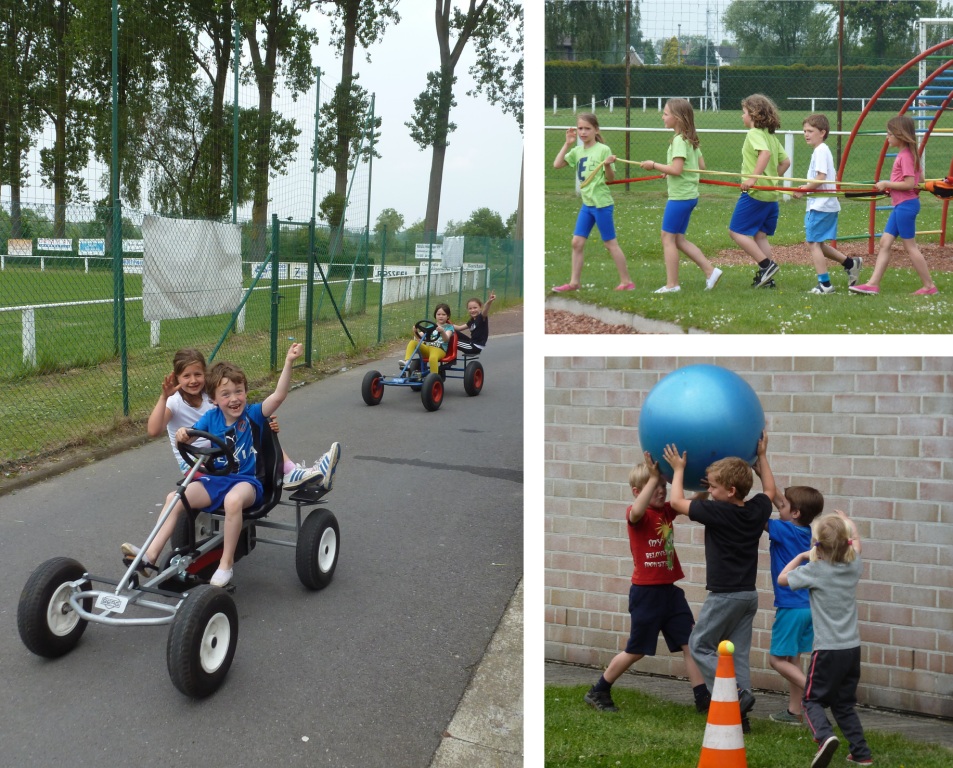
column 301, row 475
column 327, row 465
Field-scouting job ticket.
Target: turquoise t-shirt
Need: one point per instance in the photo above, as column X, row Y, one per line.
column 595, row 193
column 758, row 140
column 684, row 187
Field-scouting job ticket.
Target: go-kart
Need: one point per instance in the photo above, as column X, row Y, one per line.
column 414, row 373
column 59, row 598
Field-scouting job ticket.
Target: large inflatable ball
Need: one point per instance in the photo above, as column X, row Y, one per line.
column 706, row 410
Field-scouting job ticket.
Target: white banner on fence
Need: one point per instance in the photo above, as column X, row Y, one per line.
column 132, row 246
column 190, row 268
column 54, row 244
column 20, row 247
column 92, row 247
column 453, row 252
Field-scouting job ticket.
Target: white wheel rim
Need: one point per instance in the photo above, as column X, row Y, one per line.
column 327, row 550
column 60, row 616
column 215, row 642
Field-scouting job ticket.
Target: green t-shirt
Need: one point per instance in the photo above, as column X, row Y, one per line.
column 595, row 193
column 757, row 140
column 684, row 187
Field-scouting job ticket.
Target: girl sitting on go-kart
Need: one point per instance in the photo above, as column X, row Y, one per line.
column 435, row 346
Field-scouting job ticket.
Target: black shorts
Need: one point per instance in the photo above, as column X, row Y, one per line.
column 658, row 608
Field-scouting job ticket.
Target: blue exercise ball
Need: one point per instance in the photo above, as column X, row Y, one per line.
column 707, row 410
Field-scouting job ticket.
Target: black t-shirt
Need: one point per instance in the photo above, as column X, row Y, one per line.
column 732, row 536
column 479, row 328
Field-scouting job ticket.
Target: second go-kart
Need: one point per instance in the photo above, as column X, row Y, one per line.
column 61, row 597
column 415, row 374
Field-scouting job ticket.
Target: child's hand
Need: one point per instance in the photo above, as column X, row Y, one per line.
column 675, row 461
column 273, row 423
column 182, row 435
column 647, row 165
column 610, row 160
column 295, row 351
column 170, row 386
column 570, row 136
column 763, row 445
column 651, row 464
column 492, row 297
column 881, row 185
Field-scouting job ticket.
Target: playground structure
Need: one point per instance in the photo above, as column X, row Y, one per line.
column 928, row 100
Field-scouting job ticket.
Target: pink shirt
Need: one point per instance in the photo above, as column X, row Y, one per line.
column 903, row 166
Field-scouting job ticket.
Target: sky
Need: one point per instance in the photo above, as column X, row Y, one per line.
column 482, row 167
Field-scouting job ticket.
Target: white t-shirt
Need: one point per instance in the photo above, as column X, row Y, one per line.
column 822, row 161
column 184, row 415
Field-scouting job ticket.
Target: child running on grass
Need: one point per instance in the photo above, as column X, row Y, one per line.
column 655, row 603
column 830, row 571
column 683, row 152
column 820, row 218
column 905, row 178
column 755, row 217
column 597, row 204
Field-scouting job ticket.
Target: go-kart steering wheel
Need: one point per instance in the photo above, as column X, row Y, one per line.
column 217, row 450
column 427, row 329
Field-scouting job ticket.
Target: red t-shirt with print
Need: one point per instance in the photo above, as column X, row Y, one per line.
column 652, row 541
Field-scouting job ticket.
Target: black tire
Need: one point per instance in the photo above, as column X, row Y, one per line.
column 432, row 392
column 180, row 534
column 319, row 543
column 473, row 378
column 48, row 625
column 202, row 641
column 372, row 388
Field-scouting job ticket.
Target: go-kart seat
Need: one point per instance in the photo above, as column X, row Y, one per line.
column 269, row 468
column 451, row 356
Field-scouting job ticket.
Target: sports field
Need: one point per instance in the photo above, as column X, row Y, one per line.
column 733, row 307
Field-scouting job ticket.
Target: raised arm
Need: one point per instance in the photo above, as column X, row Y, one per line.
column 677, row 462
column 763, row 469
column 637, row 510
column 161, row 415
column 796, row 562
column 486, row 304
column 276, row 398
column 560, row 161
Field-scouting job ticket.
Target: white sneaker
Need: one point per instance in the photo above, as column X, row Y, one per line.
column 854, row 272
column 221, row 577
column 666, row 289
column 327, row 465
column 712, row 281
column 301, row 475
column 822, row 289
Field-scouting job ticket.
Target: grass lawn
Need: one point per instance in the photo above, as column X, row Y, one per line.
column 786, row 309
column 651, row 732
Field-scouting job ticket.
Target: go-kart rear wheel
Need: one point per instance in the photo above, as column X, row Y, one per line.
column 202, row 641
column 432, row 392
column 372, row 388
column 316, row 555
column 48, row 624
column 473, row 378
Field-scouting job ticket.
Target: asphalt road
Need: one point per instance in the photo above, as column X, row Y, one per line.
column 367, row 672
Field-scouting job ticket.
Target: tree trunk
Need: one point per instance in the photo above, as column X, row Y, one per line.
column 60, row 124
column 433, row 191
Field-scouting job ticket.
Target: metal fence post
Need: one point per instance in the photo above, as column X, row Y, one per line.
column 275, row 296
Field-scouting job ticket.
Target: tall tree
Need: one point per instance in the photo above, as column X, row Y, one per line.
column 780, row 31
column 430, row 125
column 592, row 29
column 884, row 29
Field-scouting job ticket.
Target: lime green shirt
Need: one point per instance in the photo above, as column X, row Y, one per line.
column 595, row 193
column 758, row 140
column 684, row 187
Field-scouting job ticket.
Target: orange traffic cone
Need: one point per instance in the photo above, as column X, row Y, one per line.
column 724, row 743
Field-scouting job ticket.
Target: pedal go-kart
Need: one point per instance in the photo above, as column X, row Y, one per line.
column 430, row 385
column 60, row 599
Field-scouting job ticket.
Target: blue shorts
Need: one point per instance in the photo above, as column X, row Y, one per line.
column 792, row 632
column 820, row 226
column 752, row 216
column 676, row 216
column 218, row 486
column 658, row 608
column 601, row 217
column 903, row 220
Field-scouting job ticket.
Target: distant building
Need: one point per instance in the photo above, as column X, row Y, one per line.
column 726, row 55
column 633, row 59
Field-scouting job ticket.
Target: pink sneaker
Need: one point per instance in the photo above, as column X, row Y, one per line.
column 925, row 292
column 625, row 287
column 865, row 288
column 564, row 288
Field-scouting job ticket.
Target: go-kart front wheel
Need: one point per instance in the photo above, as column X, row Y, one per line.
column 473, row 378
column 48, row 624
column 316, row 555
column 202, row 641
column 432, row 392
column 372, row 388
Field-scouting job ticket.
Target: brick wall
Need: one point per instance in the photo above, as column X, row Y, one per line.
column 874, row 435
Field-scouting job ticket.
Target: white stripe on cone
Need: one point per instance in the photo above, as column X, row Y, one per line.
column 726, row 689
column 723, row 737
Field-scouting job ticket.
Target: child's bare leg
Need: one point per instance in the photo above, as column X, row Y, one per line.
column 695, row 254
column 670, row 253
column 240, row 497
column 695, row 676
column 578, row 257
column 748, row 245
column 789, row 668
column 619, row 664
column 198, row 499
column 919, row 263
column 830, row 252
column 612, row 246
column 883, row 259
column 817, row 256
column 761, row 240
